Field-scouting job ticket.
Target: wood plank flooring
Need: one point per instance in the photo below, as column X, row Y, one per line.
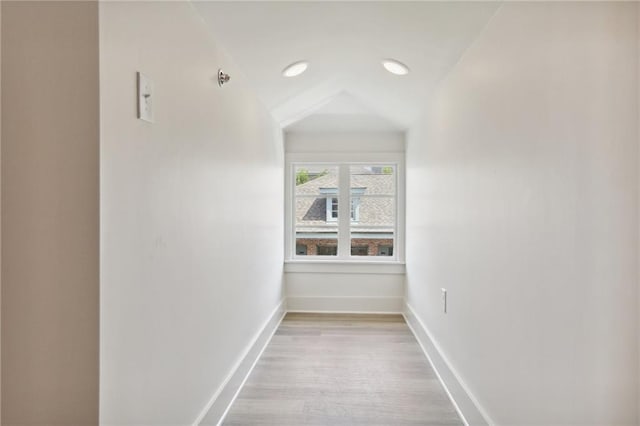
column 326, row 369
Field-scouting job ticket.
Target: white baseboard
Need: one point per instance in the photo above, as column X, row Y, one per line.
column 465, row 403
column 352, row 304
column 219, row 404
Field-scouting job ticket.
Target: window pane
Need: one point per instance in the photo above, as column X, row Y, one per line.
column 327, row 250
column 374, row 179
column 310, row 179
column 385, row 250
column 375, row 212
column 316, row 210
column 375, row 227
column 316, row 246
column 373, row 205
column 372, row 246
column 359, row 250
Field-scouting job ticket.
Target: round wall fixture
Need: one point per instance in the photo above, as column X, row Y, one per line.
column 223, row 78
column 295, row 69
column 395, row 67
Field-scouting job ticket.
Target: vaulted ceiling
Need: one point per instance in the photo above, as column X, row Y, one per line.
column 345, row 86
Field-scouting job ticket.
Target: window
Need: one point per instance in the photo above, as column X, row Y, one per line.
column 359, row 250
column 316, row 214
column 327, row 250
column 374, row 188
column 321, row 227
column 333, row 206
column 385, row 251
column 332, row 203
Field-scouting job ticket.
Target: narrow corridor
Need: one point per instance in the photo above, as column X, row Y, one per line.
column 449, row 191
column 328, row 369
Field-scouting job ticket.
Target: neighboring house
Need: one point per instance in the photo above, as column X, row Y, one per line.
column 372, row 213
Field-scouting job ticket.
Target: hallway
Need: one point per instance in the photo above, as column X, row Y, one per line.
column 177, row 176
column 340, row 369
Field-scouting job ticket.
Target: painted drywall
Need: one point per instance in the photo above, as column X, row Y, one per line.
column 345, row 292
column 0, row 214
column 522, row 201
column 358, row 287
column 344, row 42
column 50, row 231
column 191, row 216
column 356, row 143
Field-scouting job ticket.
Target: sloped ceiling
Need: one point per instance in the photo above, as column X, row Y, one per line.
column 345, row 86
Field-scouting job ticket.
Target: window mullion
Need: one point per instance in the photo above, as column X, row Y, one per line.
column 344, row 212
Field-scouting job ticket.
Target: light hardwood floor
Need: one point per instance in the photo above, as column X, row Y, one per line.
column 326, row 369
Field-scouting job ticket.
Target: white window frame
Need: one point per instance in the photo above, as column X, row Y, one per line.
column 344, row 161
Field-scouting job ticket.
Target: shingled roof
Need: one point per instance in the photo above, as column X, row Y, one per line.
column 376, row 202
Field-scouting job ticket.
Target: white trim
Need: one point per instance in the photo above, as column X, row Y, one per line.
column 334, row 235
column 344, row 212
column 467, row 406
column 328, row 158
column 343, row 161
column 344, row 267
column 362, row 304
column 289, row 211
column 265, row 334
column 299, row 311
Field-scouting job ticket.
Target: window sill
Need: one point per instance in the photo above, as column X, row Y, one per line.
column 343, row 267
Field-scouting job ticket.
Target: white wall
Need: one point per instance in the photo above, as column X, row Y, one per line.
column 344, row 142
column 522, row 201
column 0, row 214
column 330, row 291
column 346, row 287
column 50, row 213
column 191, row 207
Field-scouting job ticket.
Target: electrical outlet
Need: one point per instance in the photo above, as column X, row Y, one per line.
column 444, row 300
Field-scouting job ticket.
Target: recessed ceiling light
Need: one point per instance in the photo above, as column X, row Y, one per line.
column 295, row 69
column 395, row 67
